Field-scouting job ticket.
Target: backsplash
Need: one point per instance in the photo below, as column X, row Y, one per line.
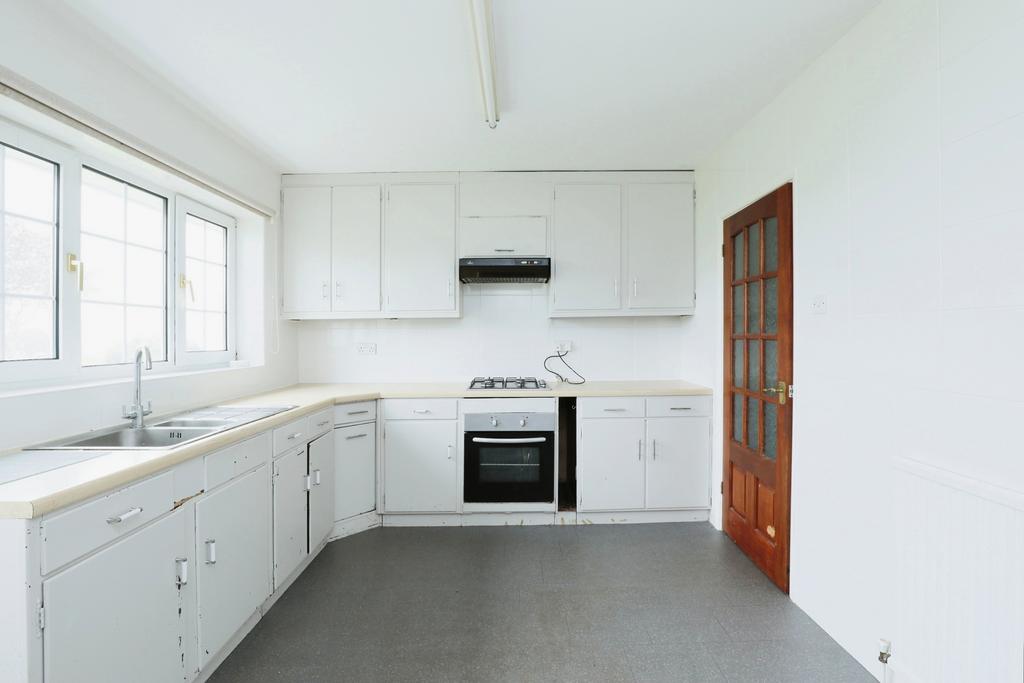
column 504, row 330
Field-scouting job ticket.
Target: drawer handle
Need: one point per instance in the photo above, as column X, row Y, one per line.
column 323, row 424
column 420, row 411
column 680, row 408
column 211, row 551
column 124, row 516
column 505, row 251
column 358, row 412
column 355, row 436
column 294, row 436
column 614, row 410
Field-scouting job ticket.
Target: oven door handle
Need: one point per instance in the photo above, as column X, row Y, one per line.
column 534, row 439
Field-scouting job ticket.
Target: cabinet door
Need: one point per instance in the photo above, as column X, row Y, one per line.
column 290, row 528
column 232, row 558
column 120, row 614
column 659, row 235
column 307, row 249
column 587, row 248
column 610, row 464
column 420, row 248
column 321, row 489
column 420, row 472
column 355, row 248
column 355, row 470
column 679, row 462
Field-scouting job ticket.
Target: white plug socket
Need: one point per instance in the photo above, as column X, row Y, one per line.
column 564, row 346
column 367, row 349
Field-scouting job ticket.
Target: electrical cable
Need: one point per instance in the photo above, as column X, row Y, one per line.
column 561, row 357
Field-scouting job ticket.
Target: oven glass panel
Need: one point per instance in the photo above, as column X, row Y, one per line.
column 509, row 464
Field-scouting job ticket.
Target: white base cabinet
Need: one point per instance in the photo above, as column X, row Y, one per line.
column 121, row 615
column 678, row 467
column 610, row 464
column 355, row 449
column 290, row 521
column 420, row 466
column 321, row 489
column 232, row 558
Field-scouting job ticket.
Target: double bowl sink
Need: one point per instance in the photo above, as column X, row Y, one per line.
column 170, row 433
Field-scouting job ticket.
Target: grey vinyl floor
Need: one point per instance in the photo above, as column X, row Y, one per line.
column 655, row 602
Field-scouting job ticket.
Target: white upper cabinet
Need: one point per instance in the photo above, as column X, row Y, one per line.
column 307, row 249
column 659, row 230
column 498, row 236
column 355, row 248
column 586, row 262
column 419, row 254
column 504, row 194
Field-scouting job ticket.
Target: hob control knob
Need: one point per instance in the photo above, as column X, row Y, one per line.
column 494, row 422
column 522, row 423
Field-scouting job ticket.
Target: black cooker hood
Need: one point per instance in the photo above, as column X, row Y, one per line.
column 503, row 270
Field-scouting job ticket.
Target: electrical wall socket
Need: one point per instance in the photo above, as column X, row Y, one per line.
column 564, row 346
column 367, row 349
column 819, row 305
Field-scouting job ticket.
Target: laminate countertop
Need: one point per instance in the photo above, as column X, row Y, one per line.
column 39, row 494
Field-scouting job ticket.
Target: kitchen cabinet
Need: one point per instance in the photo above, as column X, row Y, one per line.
column 586, row 255
column 355, row 449
column 496, row 237
column 306, row 259
column 644, row 453
column 610, row 464
column 233, row 575
column 120, row 615
column 660, row 244
column 355, row 248
column 290, row 514
column 420, row 466
column 419, row 256
column 321, row 488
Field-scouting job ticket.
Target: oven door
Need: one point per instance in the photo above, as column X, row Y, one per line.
column 509, row 467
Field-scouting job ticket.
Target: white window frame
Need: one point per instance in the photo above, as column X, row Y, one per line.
column 66, row 283
column 184, row 206
column 111, row 370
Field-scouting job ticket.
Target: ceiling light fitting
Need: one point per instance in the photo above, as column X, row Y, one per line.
column 483, row 40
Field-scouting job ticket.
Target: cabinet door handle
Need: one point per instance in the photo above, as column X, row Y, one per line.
column 337, row 290
column 634, row 288
column 309, row 481
column 449, row 286
column 316, row 477
column 654, row 449
column 615, row 284
column 355, row 436
column 639, row 449
column 211, row 551
column 323, row 289
column 124, row 516
column 449, row 451
column 181, row 565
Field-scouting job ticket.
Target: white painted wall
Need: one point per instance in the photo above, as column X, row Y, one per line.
column 905, row 143
column 504, row 330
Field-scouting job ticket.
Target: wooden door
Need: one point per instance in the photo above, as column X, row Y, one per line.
column 233, row 558
column 420, row 248
column 321, row 489
column 290, row 514
column 659, row 238
column 678, row 465
column 587, row 258
column 355, row 248
column 611, row 464
column 420, row 469
column 119, row 615
column 307, row 249
column 758, row 371
column 355, row 470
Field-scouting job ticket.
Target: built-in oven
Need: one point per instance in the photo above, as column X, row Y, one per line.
column 509, row 458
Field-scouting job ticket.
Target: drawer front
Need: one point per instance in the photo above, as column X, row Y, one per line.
column 295, row 433
column 420, row 409
column 69, row 535
column 350, row 413
column 679, row 406
column 320, row 423
column 600, row 406
column 227, row 464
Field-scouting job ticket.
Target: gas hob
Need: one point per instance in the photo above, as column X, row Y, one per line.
column 507, row 383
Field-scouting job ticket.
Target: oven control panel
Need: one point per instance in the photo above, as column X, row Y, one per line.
column 510, row 422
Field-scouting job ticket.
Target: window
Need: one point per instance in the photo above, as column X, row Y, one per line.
column 28, row 256
column 205, row 246
column 124, row 252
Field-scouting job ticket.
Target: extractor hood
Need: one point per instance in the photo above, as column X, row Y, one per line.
column 504, row 270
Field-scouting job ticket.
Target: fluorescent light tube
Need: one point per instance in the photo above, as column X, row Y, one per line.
column 483, row 34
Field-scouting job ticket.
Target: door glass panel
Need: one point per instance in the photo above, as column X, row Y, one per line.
column 737, row 363
column 771, row 362
column 753, row 408
column 509, row 465
column 771, row 244
column 737, row 309
column 754, row 249
column 737, row 256
column 771, row 305
column 737, row 418
column 754, row 365
column 771, row 427
column 754, row 307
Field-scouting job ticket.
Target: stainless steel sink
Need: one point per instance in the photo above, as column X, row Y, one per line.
column 176, row 431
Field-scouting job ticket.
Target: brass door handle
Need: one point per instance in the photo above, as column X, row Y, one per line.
column 780, row 388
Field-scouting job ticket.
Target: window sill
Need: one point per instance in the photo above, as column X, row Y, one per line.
column 36, row 389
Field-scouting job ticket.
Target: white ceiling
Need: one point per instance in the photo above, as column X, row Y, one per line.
column 382, row 85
